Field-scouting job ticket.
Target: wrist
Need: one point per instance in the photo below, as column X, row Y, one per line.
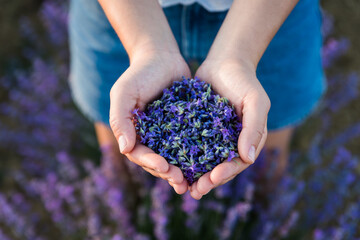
column 228, row 61
column 149, row 49
column 169, row 63
column 160, row 56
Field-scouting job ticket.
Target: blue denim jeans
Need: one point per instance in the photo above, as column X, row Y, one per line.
column 290, row 69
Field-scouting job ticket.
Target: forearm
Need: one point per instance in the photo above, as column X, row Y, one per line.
column 141, row 25
column 249, row 27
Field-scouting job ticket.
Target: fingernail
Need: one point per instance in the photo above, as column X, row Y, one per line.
column 251, row 154
column 122, row 143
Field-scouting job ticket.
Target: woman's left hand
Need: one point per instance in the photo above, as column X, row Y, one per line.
column 236, row 80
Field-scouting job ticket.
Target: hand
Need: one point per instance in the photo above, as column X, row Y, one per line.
column 149, row 73
column 236, row 80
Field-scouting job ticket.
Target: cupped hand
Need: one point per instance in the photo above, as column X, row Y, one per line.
column 140, row 84
column 236, row 80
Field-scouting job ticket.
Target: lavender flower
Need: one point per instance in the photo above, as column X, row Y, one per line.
column 3, row 236
column 343, row 95
column 284, row 230
column 189, row 204
column 191, row 127
column 51, row 190
column 333, row 49
column 55, row 18
column 190, row 207
column 160, row 211
column 215, row 206
column 239, row 211
column 117, row 237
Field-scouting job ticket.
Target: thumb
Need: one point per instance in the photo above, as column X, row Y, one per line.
column 253, row 135
column 120, row 118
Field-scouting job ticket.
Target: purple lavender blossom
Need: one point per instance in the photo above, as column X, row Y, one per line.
column 351, row 132
column 347, row 92
column 160, row 195
column 327, row 26
column 55, row 17
column 191, row 127
column 117, row 237
column 189, row 205
column 12, row 218
column 333, row 49
column 224, row 190
column 285, row 229
column 3, row 236
column 215, row 206
column 239, row 211
column 38, row 104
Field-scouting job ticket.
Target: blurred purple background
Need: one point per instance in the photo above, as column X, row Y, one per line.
column 56, row 183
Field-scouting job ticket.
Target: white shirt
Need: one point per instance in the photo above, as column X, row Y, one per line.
column 210, row 5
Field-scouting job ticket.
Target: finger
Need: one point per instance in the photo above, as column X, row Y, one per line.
column 227, row 170
column 204, row 184
column 224, row 172
column 120, row 118
column 262, row 141
column 145, row 157
column 152, row 172
column 180, row 188
column 173, row 175
column 255, row 110
column 194, row 192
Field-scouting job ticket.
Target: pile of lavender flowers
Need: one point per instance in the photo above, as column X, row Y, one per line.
column 190, row 126
column 53, row 184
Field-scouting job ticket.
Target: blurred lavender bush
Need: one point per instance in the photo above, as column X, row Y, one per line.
column 52, row 188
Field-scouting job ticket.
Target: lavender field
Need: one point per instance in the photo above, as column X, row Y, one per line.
column 56, row 183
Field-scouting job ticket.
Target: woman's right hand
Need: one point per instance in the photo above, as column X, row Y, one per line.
column 149, row 73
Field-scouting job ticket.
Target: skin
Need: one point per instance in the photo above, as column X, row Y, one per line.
column 231, row 69
column 155, row 62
